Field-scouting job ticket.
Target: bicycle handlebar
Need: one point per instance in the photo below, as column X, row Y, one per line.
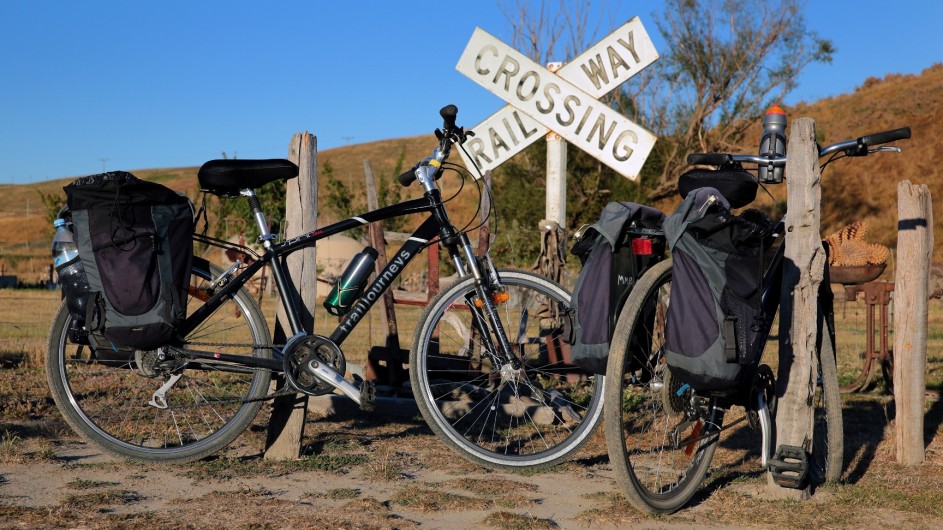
column 858, row 147
column 432, row 166
column 408, row 177
column 887, row 136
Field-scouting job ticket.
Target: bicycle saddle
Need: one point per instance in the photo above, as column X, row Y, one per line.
column 227, row 177
column 736, row 185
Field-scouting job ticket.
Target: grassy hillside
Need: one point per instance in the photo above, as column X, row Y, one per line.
column 866, row 188
column 855, row 189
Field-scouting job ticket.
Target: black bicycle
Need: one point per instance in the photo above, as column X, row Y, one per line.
column 660, row 433
column 482, row 367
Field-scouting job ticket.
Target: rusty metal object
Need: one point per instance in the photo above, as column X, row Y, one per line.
column 877, row 297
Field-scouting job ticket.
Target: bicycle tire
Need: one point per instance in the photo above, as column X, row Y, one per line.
column 643, row 407
column 107, row 401
column 529, row 419
column 828, row 440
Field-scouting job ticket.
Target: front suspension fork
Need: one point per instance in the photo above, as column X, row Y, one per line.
column 485, row 311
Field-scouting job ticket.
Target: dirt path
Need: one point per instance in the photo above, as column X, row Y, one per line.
column 368, row 472
column 72, row 484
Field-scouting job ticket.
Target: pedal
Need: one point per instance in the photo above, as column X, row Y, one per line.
column 789, row 467
column 368, row 396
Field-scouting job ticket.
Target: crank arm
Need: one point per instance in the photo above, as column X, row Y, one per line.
column 363, row 396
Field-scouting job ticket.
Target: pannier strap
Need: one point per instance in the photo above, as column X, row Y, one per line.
column 228, row 177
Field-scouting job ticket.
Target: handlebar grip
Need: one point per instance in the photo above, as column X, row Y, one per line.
column 709, row 159
column 408, row 177
column 448, row 113
column 886, row 136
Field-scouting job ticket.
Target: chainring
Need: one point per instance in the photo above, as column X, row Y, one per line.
column 300, row 351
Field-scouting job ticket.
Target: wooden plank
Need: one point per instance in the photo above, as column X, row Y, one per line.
column 911, row 284
column 803, row 272
column 286, row 426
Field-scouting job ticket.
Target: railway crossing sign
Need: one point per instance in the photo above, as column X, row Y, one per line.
column 565, row 102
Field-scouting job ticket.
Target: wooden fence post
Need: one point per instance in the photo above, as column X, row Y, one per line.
column 390, row 352
column 803, row 272
column 286, row 425
column 914, row 248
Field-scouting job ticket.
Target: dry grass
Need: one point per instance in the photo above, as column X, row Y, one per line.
column 336, row 483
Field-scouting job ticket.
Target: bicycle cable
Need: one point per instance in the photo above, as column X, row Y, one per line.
column 492, row 212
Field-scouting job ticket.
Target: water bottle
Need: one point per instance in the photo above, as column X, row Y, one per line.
column 773, row 143
column 65, row 256
column 348, row 287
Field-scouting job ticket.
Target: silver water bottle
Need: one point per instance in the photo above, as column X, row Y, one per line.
column 773, row 143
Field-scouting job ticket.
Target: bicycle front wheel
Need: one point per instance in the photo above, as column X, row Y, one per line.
column 660, row 439
column 828, row 438
column 489, row 412
column 136, row 406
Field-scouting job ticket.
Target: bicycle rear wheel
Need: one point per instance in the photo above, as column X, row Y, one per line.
column 489, row 413
column 112, row 396
column 661, row 437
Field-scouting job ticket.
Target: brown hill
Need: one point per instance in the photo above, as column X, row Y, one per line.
column 866, row 188
column 25, row 233
column 862, row 189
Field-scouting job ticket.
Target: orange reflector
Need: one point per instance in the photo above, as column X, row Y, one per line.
column 642, row 247
column 499, row 298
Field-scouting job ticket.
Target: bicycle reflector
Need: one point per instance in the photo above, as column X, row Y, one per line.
column 498, row 298
column 642, row 246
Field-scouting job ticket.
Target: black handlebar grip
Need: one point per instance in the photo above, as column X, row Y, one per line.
column 448, row 113
column 709, row 159
column 886, row 136
column 408, row 177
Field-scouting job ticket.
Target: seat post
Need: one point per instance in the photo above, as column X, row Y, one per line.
column 265, row 236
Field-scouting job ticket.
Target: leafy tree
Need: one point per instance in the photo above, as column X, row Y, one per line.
column 726, row 61
column 52, row 204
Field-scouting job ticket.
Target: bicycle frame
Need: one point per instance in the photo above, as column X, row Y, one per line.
column 436, row 224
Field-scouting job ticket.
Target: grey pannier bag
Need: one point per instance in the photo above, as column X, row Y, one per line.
column 135, row 242
column 715, row 289
column 610, row 268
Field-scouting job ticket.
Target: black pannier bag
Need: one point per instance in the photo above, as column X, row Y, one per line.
column 610, row 268
column 135, row 242
column 716, row 286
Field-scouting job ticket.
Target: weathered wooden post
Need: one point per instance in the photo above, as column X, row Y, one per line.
column 390, row 352
column 286, row 426
column 914, row 248
column 803, row 272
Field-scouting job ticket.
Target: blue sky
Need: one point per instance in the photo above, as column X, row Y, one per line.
column 129, row 85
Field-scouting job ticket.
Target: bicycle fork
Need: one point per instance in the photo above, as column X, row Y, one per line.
column 484, row 310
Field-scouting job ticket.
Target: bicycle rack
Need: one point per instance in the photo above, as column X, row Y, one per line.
column 789, row 467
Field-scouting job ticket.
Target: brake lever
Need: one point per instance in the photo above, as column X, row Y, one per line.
column 886, row 149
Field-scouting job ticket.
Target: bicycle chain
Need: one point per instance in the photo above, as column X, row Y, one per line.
column 235, row 345
column 283, row 392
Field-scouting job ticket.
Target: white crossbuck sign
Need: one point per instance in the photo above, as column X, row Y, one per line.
column 565, row 102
